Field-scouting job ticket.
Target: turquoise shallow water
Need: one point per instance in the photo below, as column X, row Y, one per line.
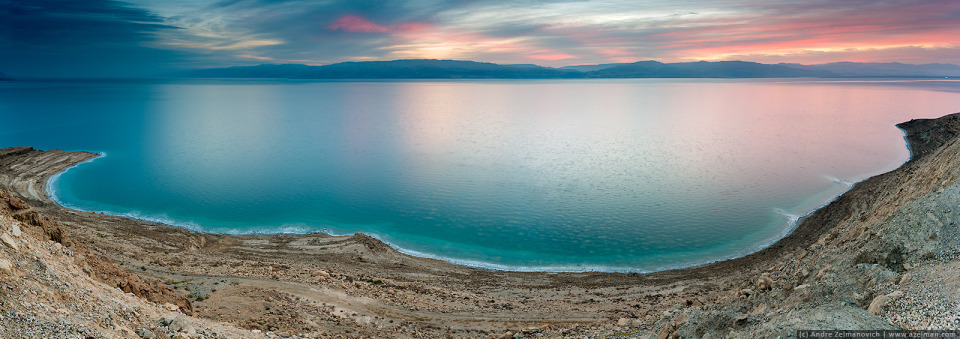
column 572, row 175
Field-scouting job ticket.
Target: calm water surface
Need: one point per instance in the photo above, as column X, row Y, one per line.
column 619, row 175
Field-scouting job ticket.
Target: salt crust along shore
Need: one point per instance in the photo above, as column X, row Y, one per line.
column 884, row 255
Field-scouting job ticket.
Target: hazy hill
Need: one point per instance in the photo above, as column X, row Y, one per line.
column 434, row 69
column 447, row 69
column 453, row 69
column 397, row 69
column 590, row 68
column 261, row 71
column 891, row 69
column 704, row 69
column 4, row 77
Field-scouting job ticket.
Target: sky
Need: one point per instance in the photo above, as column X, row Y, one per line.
column 108, row 38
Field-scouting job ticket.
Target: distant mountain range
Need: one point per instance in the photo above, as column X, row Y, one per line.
column 892, row 69
column 703, row 69
column 4, row 77
column 454, row 69
column 398, row 69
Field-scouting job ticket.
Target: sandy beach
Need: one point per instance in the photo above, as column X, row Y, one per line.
column 878, row 257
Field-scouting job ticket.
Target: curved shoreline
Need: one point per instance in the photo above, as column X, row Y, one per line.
column 792, row 226
column 51, row 198
column 700, row 268
column 893, row 232
column 53, row 179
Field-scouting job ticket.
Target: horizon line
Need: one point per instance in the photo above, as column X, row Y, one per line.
column 574, row 65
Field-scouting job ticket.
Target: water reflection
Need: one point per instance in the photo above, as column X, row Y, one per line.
column 611, row 174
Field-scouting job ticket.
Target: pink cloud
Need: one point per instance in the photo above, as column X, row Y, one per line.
column 548, row 55
column 552, row 57
column 408, row 27
column 877, row 31
column 359, row 24
column 780, row 32
column 861, row 31
column 354, row 23
column 614, row 52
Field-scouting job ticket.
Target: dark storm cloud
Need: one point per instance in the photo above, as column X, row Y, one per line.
column 79, row 38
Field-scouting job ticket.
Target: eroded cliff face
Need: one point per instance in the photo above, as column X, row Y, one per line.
column 882, row 256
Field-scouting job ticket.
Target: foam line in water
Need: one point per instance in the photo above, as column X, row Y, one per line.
column 153, row 218
column 551, row 269
column 500, row 267
column 840, row 181
column 53, row 193
column 54, row 180
column 299, row 228
column 793, row 220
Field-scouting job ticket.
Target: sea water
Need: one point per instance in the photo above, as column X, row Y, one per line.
column 556, row 175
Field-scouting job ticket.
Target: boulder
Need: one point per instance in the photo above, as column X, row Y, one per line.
column 681, row 320
column 665, row 332
column 166, row 321
column 823, row 272
column 7, row 240
column 764, row 283
column 16, row 203
column 179, row 324
column 6, row 267
column 879, row 302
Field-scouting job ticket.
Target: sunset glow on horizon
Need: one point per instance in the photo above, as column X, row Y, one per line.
column 119, row 37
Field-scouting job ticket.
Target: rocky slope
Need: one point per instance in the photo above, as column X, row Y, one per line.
column 882, row 256
column 52, row 286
